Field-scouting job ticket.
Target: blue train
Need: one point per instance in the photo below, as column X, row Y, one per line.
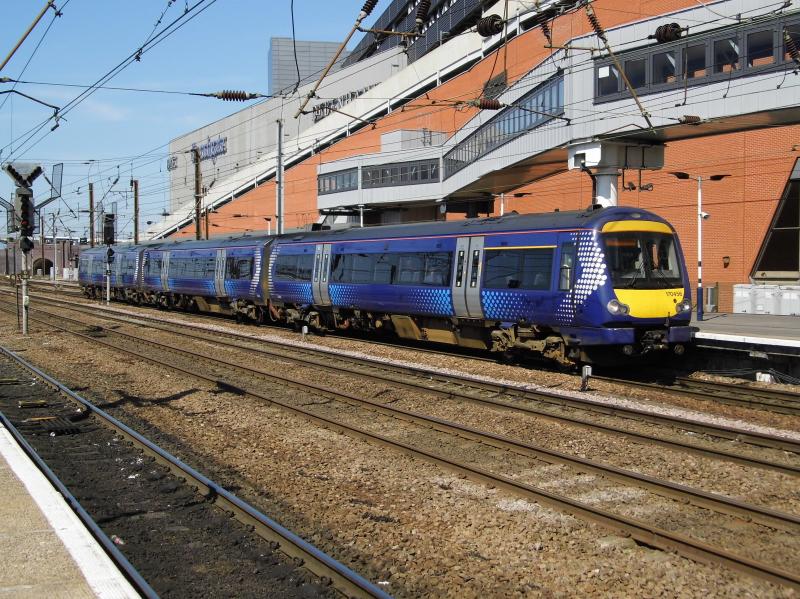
column 568, row 285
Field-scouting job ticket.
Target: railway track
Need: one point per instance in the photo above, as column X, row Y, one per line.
column 772, row 400
column 163, row 354
column 507, row 397
column 742, row 395
column 294, row 549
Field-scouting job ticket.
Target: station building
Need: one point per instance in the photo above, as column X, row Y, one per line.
column 398, row 133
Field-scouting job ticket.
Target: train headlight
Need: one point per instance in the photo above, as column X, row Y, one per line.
column 616, row 307
column 684, row 306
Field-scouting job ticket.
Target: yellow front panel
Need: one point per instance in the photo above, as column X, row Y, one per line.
column 621, row 226
column 650, row 303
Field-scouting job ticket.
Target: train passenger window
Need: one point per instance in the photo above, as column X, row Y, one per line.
column 437, row 269
column 518, row 269
column 567, row 266
column 385, row 269
column 361, row 269
column 286, row 267
column 410, row 269
column 305, row 264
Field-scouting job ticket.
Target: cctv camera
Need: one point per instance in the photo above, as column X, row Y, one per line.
column 704, row 215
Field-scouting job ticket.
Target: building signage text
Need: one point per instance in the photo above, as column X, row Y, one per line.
column 213, row 148
column 325, row 108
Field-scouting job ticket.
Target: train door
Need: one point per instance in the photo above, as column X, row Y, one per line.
column 322, row 265
column 219, row 274
column 165, row 271
column 466, row 281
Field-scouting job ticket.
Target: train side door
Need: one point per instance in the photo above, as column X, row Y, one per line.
column 319, row 282
column 219, row 273
column 466, row 281
column 165, row 271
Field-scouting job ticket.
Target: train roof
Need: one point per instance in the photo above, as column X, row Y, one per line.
column 577, row 219
column 581, row 219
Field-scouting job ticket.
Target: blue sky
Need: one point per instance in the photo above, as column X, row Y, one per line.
column 225, row 47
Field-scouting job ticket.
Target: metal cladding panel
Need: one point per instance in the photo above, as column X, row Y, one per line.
column 292, row 292
column 401, row 299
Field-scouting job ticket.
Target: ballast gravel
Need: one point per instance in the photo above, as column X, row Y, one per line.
column 412, row 527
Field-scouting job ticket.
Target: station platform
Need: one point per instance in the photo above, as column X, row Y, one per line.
column 755, row 341
column 46, row 550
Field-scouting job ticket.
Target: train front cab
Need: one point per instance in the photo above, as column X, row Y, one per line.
column 645, row 303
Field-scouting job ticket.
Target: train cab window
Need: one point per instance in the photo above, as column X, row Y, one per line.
column 566, row 267
column 642, row 260
column 529, row 269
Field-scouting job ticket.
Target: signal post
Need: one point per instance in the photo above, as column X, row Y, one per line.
column 24, row 175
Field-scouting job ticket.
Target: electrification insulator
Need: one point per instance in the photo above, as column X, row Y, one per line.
column 231, row 95
column 488, row 104
column 667, row 33
column 595, row 23
column 422, row 12
column 369, row 5
column 791, row 47
column 491, row 25
column 548, row 34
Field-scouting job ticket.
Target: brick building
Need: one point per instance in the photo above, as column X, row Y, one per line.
column 759, row 162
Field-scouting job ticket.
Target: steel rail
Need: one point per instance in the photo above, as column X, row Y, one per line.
column 640, row 531
column 781, row 402
column 129, row 572
column 427, row 375
column 313, row 559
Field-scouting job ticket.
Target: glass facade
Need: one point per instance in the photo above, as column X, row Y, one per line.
column 720, row 54
column 400, row 173
column 338, row 181
column 533, row 109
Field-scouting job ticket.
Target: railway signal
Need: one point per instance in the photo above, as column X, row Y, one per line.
column 24, row 174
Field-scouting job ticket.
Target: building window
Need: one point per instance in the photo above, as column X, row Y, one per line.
column 760, row 49
column 607, row 80
column 779, row 257
column 664, row 68
column 726, row 55
column 720, row 54
column 541, row 105
column 694, row 60
column 338, row 181
column 636, row 72
column 403, row 173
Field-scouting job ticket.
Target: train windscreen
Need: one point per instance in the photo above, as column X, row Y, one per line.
column 642, row 260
